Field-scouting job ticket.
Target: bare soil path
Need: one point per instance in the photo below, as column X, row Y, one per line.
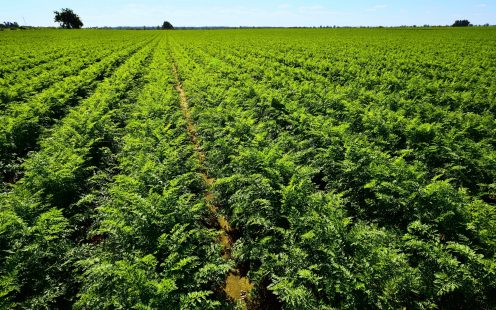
column 236, row 287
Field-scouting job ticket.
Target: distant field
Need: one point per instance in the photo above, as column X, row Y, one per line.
column 257, row 168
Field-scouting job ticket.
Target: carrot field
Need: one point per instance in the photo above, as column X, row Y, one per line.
column 248, row 169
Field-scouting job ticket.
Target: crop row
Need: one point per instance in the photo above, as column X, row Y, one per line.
column 114, row 198
column 344, row 195
column 24, row 122
column 24, row 51
column 45, row 217
column 472, row 132
column 356, row 169
column 155, row 250
column 19, row 86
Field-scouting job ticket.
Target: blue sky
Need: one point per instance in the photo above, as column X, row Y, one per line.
column 253, row 13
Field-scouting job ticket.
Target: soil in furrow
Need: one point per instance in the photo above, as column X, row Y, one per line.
column 236, row 286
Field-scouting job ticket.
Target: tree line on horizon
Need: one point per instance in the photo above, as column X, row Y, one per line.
column 68, row 19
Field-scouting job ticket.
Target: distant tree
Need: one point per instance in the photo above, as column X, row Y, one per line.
column 167, row 26
column 462, row 23
column 9, row 25
column 68, row 19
